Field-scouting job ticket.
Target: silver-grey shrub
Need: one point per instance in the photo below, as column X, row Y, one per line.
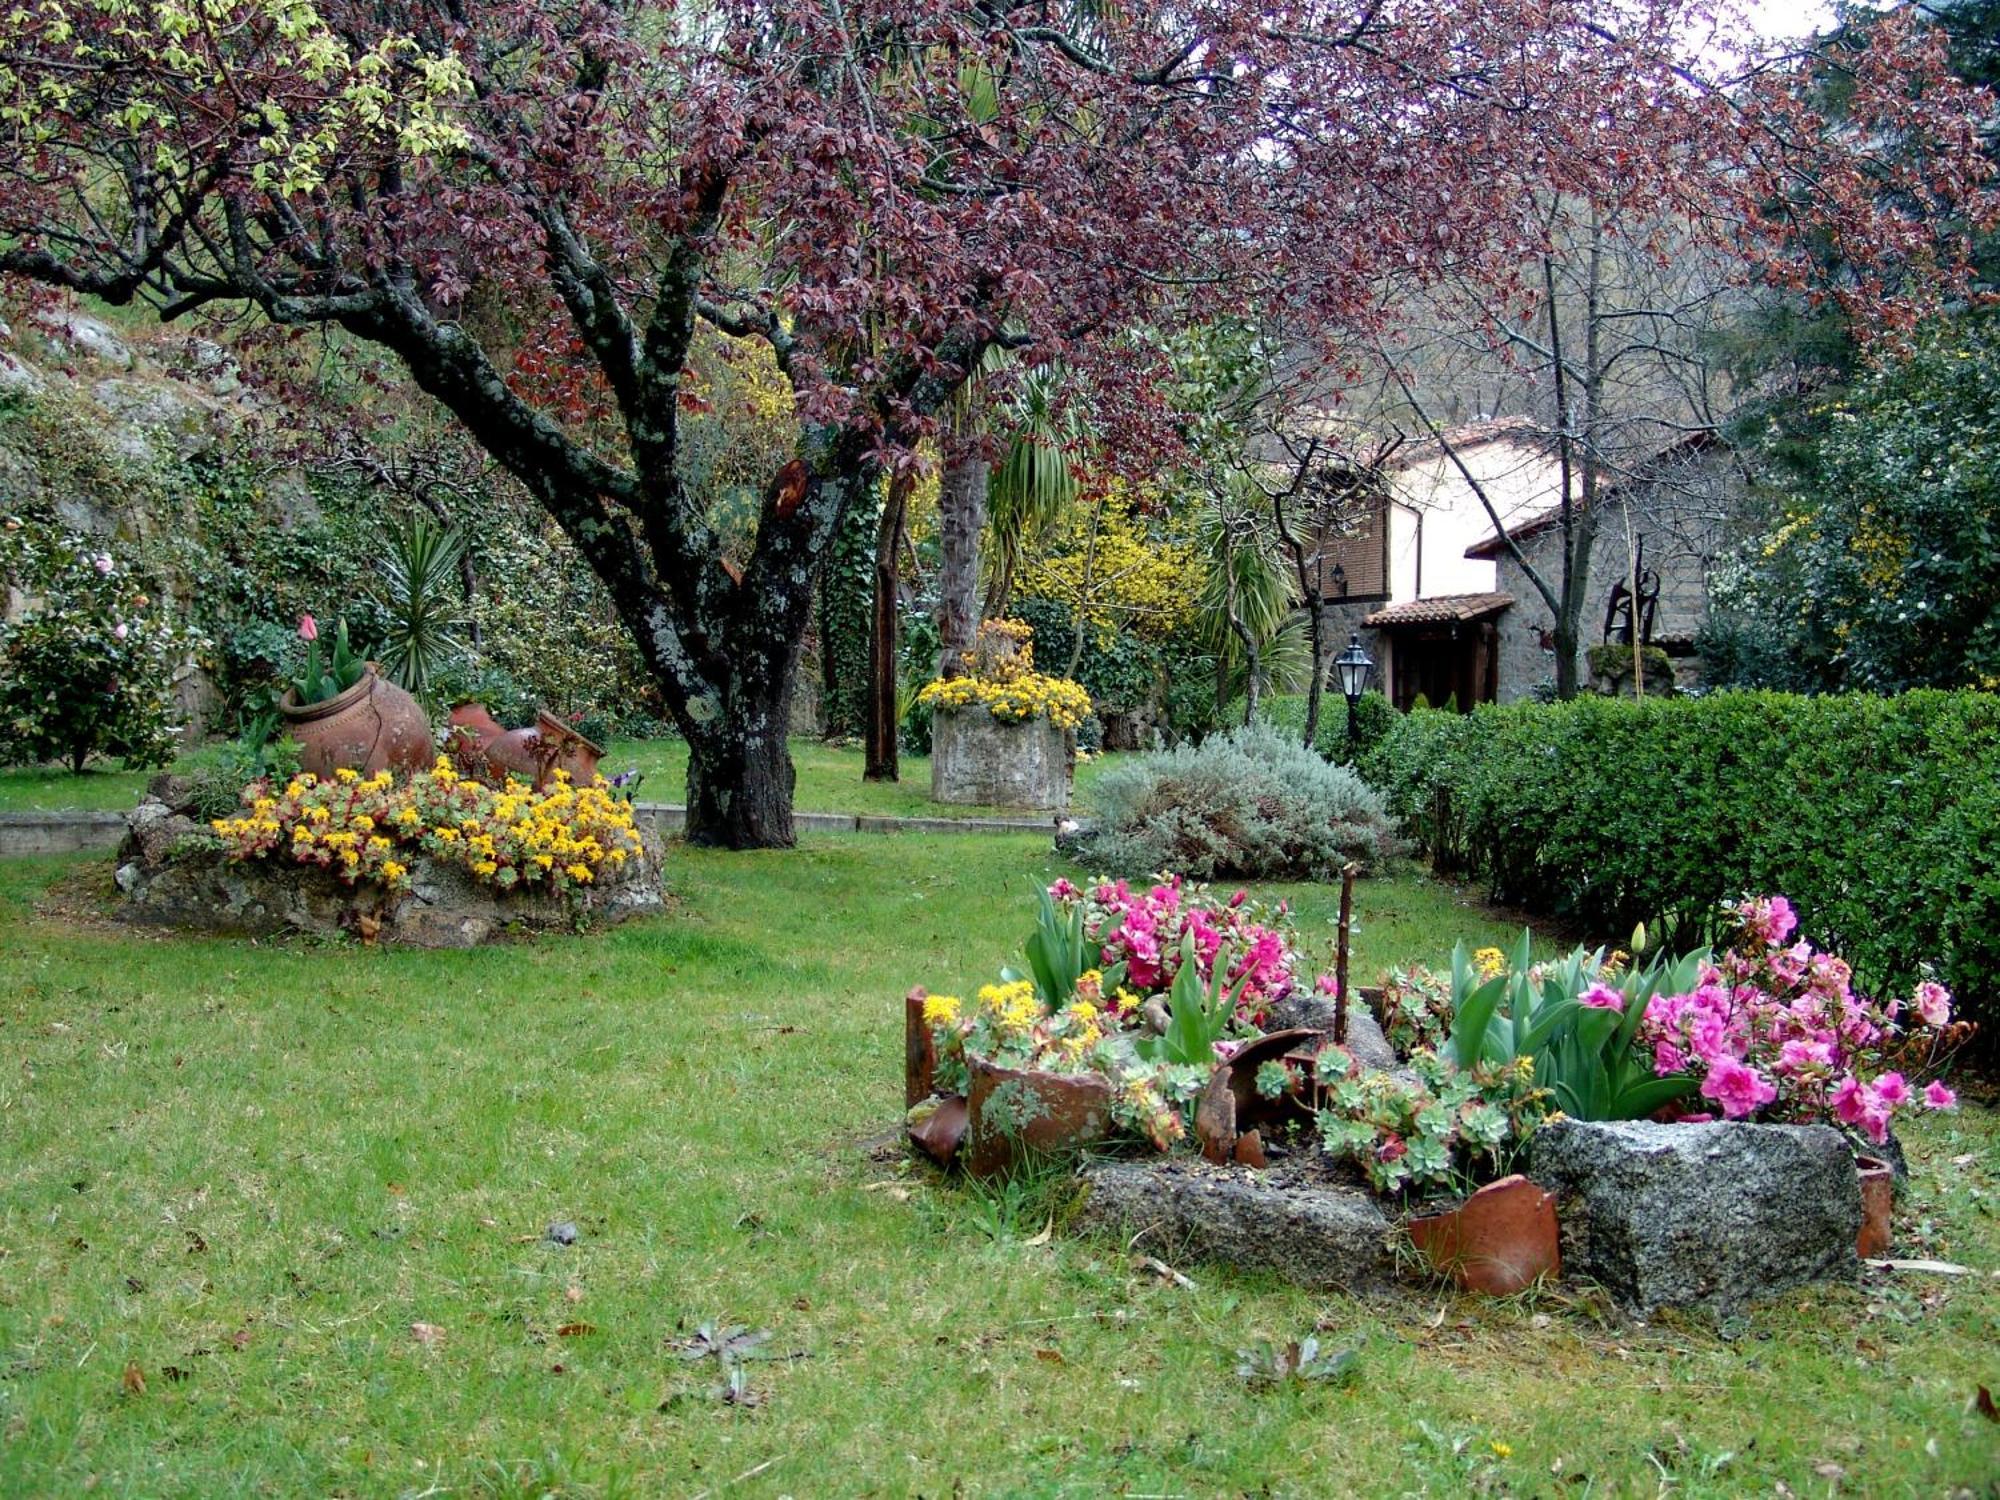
column 1249, row 804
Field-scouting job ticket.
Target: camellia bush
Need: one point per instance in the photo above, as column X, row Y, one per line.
column 87, row 660
column 1252, row 803
column 1874, row 814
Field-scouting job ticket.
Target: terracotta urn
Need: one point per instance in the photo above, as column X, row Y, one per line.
column 1015, row 1114
column 1499, row 1241
column 1878, row 1201
column 372, row 726
column 530, row 752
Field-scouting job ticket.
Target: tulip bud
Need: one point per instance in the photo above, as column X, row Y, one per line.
column 308, row 631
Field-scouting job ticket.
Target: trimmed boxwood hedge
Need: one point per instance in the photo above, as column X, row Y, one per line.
column 1879, row 818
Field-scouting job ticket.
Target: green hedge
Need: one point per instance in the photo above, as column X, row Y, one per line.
column 1878, row 817
column 1286, row 712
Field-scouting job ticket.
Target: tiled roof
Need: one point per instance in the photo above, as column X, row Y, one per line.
column 1446, row 609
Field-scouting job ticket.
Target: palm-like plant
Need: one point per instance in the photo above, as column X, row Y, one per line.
column 424, row 601
column 1248, row 597
column 1034, row 482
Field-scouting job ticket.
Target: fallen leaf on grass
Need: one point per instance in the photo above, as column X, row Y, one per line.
column 430, row 1335
column 1048, row 1229
column 133, row 1381
column 1931, row 1267
column 575, row 1330
column 573, row 1295
column 1051, row 1356
column 1984, row 1403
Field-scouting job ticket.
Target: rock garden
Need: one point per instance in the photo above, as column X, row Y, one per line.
column 1683, row 1130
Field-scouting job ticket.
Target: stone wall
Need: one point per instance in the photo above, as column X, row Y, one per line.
column 978, row 760
column 1682, row 535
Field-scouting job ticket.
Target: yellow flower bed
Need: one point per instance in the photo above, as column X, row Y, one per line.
column 1024, row 697
column 368, row 829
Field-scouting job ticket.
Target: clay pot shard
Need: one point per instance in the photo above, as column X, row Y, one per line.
column 1499, row 1241
column 940, row 1132
column 1019, row 1113
column 919, row 1051
column 1878, row 1202
column 1231, row 1105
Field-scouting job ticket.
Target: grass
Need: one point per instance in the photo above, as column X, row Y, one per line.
column 829, row 781
column 235, row 1177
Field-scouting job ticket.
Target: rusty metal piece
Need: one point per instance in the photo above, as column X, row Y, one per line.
column 1347, row 873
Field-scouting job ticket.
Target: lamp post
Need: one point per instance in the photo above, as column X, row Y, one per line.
column 1355, row 668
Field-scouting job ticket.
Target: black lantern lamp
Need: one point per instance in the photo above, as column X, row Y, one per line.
column 1356, row 668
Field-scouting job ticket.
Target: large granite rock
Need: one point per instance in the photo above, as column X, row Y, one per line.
column 1707, row 1215
column 1315, row 1012
column 173, row 874
column 1311, row 1233
column 979, row 760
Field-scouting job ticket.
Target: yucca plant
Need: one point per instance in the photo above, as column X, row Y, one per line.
column 424, row 603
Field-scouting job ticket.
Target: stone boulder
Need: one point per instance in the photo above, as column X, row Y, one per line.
column 1315, row 1012
column 1700, row 1215
column 173, row 873
column 979, row 760
column 1304, row 1230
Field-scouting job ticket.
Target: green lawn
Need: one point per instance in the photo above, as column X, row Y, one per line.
column 234, row 1177
column 829, row 781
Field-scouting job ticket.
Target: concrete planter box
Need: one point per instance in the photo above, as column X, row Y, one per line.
column 978, row 760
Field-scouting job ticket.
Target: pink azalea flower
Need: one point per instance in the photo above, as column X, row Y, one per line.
column 1797, row 1056
column 1601, row 996
column 1849, row 1099
column 1892, row 1090
column 1933, row 1003
column 1737, row 1089
column 1937, row 1096
column 1326, row 984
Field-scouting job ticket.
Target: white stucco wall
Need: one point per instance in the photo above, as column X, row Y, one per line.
column 1519, row 478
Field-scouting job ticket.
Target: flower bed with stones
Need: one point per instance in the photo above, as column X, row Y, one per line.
column 174, row 871
column 1147, row 1025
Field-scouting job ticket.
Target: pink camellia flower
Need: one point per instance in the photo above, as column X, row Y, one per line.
column 1738, row 1089
column 1892, row 1090
column 1601, row 996
column 1933, row 1003
column 1937, row 1096
column 308, row 629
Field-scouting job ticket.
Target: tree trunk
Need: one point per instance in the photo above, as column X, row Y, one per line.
column 883, row 643
column 740, row 781
column 961, row 518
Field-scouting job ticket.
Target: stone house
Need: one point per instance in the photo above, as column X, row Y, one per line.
column 1673, row 514
column 1439, row 601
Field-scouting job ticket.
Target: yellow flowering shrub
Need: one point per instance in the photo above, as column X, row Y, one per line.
column 370, row 828
column 1002, row 680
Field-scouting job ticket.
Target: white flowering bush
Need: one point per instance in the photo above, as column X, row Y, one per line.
column 87, row 654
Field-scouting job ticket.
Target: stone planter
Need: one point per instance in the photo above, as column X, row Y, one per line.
column 1500, row 1241
column 1704, row 1215
column 978, row 760
column 173, row 875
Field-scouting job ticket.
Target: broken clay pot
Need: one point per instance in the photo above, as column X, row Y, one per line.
column 1020, row 1113
column 1878, row 1202
column 1500, row 1240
